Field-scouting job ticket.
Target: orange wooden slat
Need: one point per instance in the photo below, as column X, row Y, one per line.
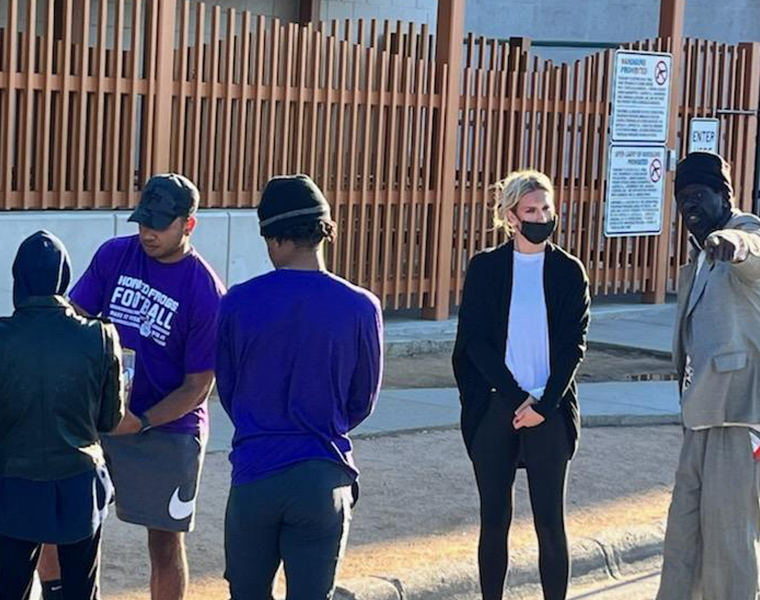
column 391, row 158
column 25, row 166
column 414, row 222
column 374, row 254
column 82, row 127
column 315, row 84
column 606, row 94
column 243, row 112
column 490, row 126
column 587, row 158
column 227, row 151
column 211, row 144
column 364, row 244
column 459, row 202
column 427, row 166
column 341, row 249
column 129, row 176
column 289, row 59
column 353, row 162
column 46, row 178
column 403, row 234
column 573, row 227
column 258, row 106
column 96, row 150
column 194, row 140
column 475, row 183
column 6, row 173
column 178, row 152
column 149, row 123
column 114, row 126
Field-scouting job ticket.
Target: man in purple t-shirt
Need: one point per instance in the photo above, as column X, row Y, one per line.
column 299, row 361
column 163, row 298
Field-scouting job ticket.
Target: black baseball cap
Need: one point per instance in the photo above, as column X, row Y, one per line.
column 164, row 198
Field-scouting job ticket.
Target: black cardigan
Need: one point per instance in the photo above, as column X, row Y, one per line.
column 480, row 348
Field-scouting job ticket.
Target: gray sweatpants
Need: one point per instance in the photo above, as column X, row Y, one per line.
column 711, row 543
column 299, row 517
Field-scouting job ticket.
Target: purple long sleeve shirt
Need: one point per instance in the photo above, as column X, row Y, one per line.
column 299, row 362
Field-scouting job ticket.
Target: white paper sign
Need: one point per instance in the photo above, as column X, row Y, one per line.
column 641, row 97
column 704, row 135
column 635, row 190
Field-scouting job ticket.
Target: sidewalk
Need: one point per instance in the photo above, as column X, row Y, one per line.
column 642, row 326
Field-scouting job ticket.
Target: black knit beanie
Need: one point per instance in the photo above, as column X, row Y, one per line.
column 289, row 201
column 705, row 168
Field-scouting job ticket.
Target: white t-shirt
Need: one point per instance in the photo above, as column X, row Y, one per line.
column 527, row 355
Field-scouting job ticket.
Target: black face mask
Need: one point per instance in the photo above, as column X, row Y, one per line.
column 536, row 233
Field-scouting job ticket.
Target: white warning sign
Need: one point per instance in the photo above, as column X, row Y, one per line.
column 704, row 135
column 641, row 97
column 635, row 190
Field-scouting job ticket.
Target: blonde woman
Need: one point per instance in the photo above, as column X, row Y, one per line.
column 521, row 336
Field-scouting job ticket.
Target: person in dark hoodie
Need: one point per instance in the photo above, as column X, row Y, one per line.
column 60, row 388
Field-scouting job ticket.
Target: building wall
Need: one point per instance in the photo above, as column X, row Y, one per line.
column 579, row 20
column 608, row 21
column 416, row 11
column 229, row 240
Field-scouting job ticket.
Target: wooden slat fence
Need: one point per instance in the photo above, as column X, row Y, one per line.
column 92, row 103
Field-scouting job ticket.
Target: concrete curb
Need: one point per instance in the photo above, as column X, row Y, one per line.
column 400, row 348
column 618, row 346
column 630, row 420
column 607, row 556
column 403, row 347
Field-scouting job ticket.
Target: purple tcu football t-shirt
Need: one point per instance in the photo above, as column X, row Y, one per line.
column 165, row 313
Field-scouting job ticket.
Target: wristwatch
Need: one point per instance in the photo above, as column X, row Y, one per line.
column 144, row 423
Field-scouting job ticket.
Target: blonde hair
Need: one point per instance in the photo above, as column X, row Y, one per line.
column 508, row 191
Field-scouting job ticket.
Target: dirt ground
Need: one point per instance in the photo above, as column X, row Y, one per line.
column 601, row 364
column 419, row 506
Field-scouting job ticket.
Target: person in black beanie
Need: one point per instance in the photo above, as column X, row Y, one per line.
column 299, row 359
column 713, row 530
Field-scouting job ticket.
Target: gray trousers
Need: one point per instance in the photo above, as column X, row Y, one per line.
column 299, row 517
column 711, row 543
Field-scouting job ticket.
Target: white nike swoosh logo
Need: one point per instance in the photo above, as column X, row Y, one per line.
column 179, row 510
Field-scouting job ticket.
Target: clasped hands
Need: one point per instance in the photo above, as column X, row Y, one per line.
column 525, row 416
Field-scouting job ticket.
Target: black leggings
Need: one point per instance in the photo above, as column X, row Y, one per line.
column 545, row 451
column 80, row 568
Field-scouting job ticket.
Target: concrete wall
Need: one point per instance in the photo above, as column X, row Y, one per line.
column 229, row 240
column 580, row 20
column 416, row 11
column 607, row 21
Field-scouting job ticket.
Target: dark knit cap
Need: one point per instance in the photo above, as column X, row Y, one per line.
column 705, row 168
column 289, row 201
